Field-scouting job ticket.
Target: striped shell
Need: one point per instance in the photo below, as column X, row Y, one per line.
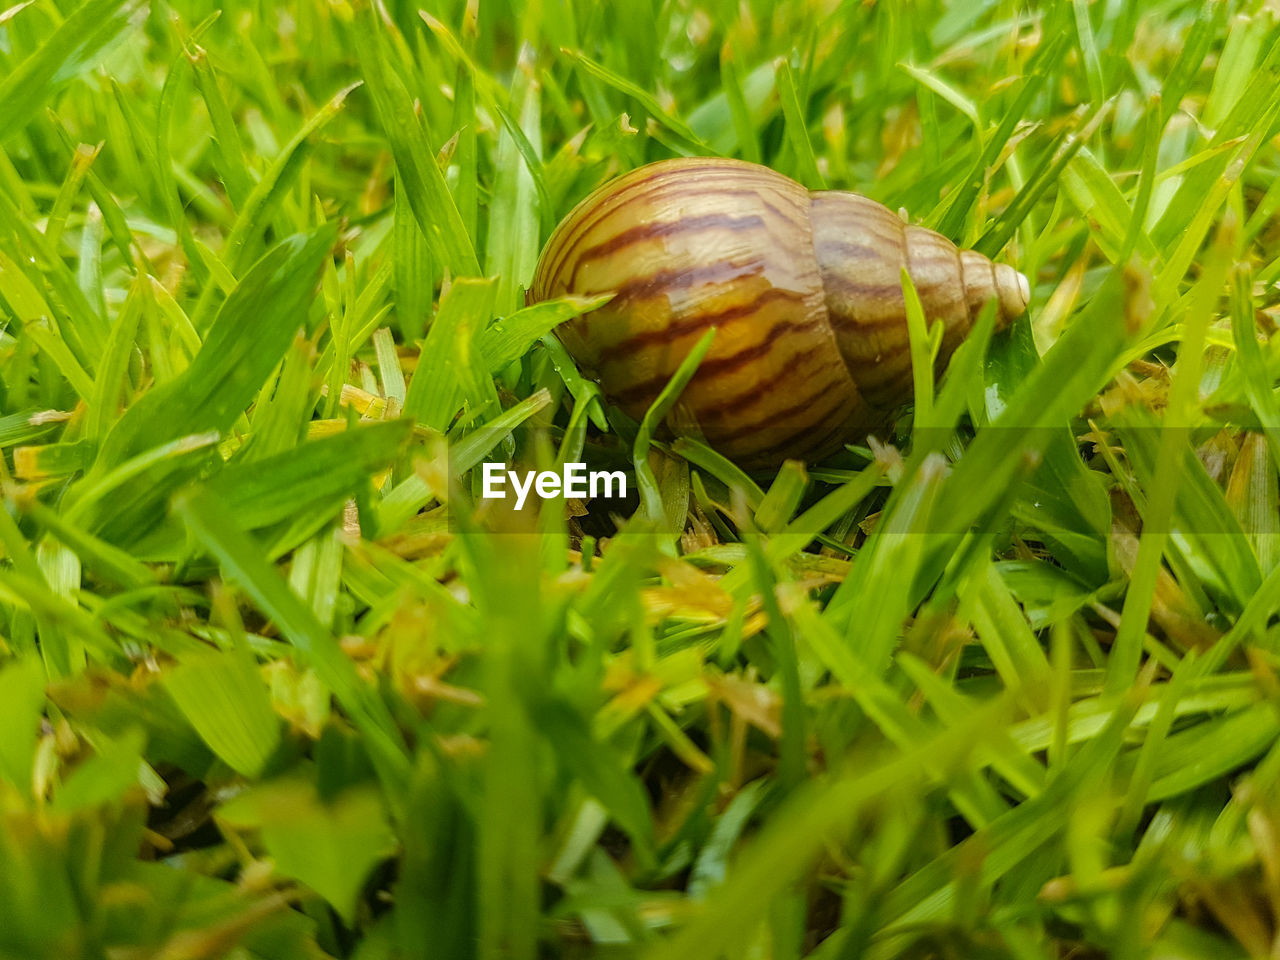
column 803, row 288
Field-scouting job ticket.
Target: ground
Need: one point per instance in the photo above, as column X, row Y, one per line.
column 275, row 682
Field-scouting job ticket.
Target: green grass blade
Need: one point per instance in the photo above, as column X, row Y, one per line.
column 215, row 529
column 76, row 42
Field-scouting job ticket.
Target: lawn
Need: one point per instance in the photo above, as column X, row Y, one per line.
column 277, row 682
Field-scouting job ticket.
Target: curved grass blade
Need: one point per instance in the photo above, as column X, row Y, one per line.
column 76, row 42
column 216, row 529
column 428, row 194
column 249, row 336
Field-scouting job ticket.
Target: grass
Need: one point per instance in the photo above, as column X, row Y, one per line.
column 1003, row 684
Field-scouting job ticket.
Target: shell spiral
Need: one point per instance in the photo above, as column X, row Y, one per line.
column 811, row 347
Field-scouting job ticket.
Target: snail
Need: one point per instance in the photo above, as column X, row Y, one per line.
column 803, row 287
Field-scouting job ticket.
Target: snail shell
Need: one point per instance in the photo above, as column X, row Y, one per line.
column 803, row 288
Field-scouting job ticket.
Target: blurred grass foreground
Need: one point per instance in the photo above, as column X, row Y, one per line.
column 1002, row 683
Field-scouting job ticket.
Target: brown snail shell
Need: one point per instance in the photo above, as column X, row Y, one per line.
column 803, row 288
